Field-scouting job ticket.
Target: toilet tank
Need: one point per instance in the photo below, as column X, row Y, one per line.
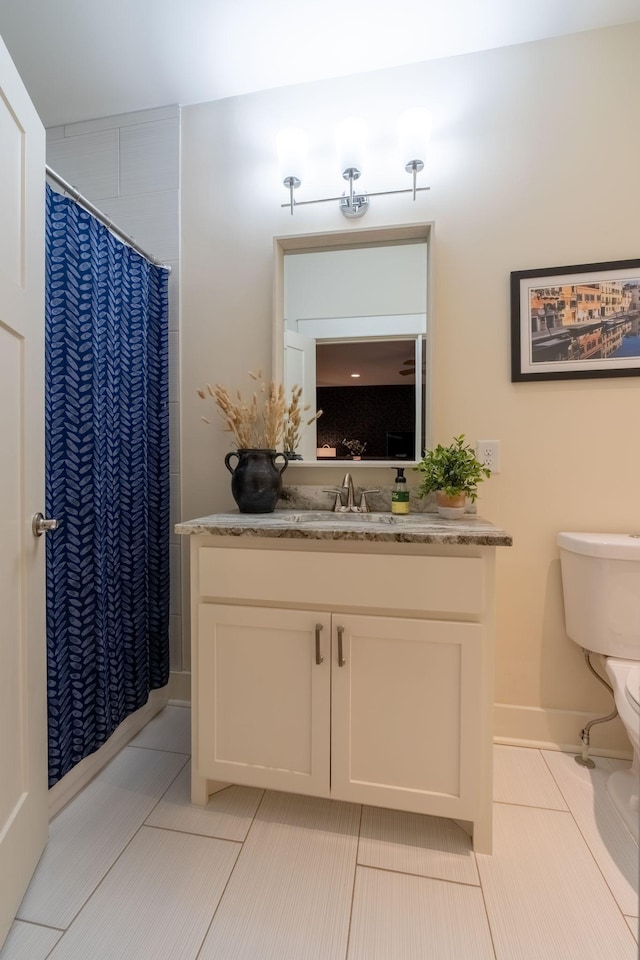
column 601, row 587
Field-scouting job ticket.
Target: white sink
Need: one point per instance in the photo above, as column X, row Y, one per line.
column 329, row 516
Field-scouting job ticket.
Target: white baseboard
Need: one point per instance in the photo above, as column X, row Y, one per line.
column 514, row 724
column 66, row 789
column 557, row 730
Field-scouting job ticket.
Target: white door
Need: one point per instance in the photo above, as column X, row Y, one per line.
column 263, row 703
column 23, row 746
column 405, row 704
column 300, row 370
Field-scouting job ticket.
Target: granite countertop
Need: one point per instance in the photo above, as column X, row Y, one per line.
column 326, row 525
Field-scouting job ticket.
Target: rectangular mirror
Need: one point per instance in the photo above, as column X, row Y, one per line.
column 351, row 328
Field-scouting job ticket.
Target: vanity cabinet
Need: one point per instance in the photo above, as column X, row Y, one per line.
column 356, row 671
column 369, row 709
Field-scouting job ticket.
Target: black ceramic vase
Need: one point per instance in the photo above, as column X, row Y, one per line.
column 256, row 479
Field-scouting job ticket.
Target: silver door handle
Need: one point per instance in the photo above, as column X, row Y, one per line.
column 39, row 525
column 341, row 659
column 319, row 657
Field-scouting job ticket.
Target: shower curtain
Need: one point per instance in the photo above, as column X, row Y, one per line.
column 107, row 481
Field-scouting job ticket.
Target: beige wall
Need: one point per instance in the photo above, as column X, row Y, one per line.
column 513, row 186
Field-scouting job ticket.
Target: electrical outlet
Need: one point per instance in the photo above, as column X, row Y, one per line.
column 488, row 453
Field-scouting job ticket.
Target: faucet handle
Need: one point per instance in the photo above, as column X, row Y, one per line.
column 337, row 491
column 364, row 506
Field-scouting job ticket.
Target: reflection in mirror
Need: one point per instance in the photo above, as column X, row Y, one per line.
column 367, row 390
column 355, row 332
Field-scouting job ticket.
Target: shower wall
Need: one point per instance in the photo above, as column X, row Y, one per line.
column 128, row 165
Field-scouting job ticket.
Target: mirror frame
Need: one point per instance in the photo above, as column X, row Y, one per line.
column 333, row 240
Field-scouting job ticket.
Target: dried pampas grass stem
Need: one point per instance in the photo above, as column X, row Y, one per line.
column 266, row 419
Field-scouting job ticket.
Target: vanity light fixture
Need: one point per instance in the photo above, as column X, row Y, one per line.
column 355, row 375
column 292, row 145
column 414, row 131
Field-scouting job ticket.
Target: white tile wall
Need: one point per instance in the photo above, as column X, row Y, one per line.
column 174, row 279
column 149, row 157
column 175, row 579
column 174, row 437
column 151, row 219
column 175, row 641
column 121, row 120
column 89, row 163
column 174, row 508
column 128, row 165
column 174, row 367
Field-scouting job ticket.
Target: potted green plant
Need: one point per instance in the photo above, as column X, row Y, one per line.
column 453, row 474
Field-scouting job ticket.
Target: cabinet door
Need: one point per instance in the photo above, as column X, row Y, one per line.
column 406, row 714
column 263, row 702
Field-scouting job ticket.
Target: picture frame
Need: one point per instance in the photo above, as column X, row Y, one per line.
column 576, row 321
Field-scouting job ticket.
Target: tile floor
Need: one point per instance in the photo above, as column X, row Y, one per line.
column 133, row 872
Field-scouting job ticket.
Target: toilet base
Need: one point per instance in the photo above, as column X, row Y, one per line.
column 623, row 786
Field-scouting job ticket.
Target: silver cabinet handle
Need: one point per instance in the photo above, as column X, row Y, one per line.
column 341, row 659
column 319, row 657
column 39, row 525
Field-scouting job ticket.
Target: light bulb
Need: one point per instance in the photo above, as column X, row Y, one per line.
column 292, row 145
column 414, row 133
column 351, row 143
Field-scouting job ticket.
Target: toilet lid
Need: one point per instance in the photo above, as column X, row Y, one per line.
column 632, row 687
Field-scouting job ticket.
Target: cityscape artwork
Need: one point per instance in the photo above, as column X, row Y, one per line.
column 579, row 321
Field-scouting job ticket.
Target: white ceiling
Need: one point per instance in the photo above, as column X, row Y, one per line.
column 378, row 363
column 82, row 59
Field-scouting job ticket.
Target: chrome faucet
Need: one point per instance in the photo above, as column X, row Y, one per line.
column 345, row 501
column 347, row 485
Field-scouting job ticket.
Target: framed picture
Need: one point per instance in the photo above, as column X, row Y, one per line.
column 579, row 321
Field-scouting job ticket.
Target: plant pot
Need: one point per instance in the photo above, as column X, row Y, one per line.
column 256, row 480
column 451, row 508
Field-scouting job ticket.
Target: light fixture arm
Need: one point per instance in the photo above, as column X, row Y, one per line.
column 378, row 193
column 414, row 167
column 355, row 204
column 292, row 183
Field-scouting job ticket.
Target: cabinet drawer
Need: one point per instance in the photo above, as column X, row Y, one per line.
column 439, row 584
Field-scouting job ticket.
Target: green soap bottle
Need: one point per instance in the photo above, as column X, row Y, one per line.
column 400, row 493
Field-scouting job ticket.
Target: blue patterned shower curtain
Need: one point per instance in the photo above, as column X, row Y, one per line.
column 107, row 482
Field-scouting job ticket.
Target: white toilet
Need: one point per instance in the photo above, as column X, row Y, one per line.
column 601, row 585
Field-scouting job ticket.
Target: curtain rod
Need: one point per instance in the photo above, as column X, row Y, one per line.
column 103, row 218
